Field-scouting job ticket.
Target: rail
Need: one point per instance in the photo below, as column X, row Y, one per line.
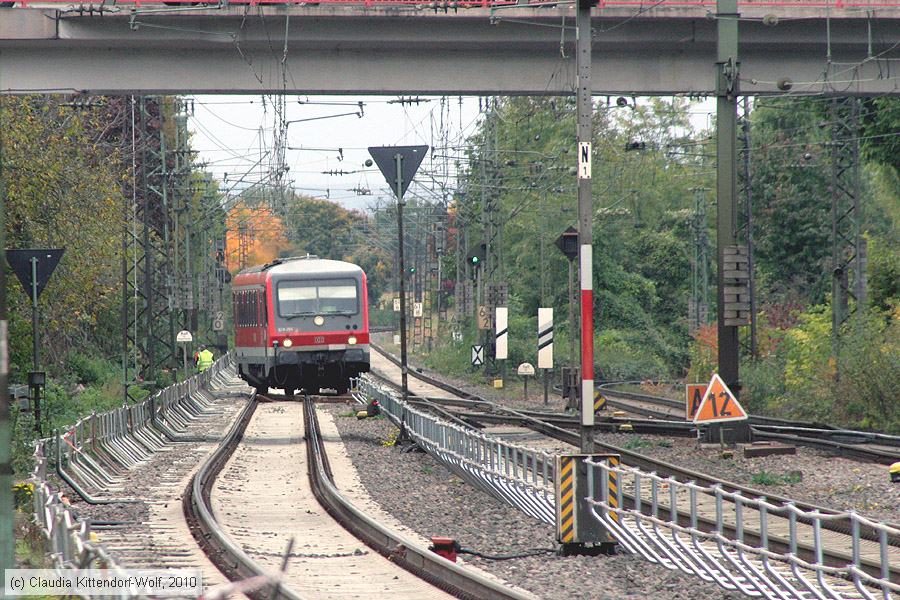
column 521, row 476
column 427, row 565
column 95, row 451
column 653, row 529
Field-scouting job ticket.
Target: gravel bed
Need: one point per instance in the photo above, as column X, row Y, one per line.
column 431, row 500
column 811, row 475
column 143, row 482
column 511, row 396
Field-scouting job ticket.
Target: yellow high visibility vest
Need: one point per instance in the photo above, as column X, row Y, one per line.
column 204, row 360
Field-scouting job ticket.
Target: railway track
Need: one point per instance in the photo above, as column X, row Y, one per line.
column 860, row 445
column 221, row 467
column 124, row 473
column 257, row 479
column 795, row 538
column 666, row 417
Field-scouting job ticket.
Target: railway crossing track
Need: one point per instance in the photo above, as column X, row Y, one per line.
column 873, row 547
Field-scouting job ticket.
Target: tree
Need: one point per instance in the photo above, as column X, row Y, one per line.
column 63, row 184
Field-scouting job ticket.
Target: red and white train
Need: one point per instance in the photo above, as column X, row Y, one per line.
column 301, row 323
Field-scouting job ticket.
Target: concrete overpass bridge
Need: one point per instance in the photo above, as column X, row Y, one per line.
column 662, row 47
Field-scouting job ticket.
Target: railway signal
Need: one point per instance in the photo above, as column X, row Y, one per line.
column 719, row 404
column 477, row 356
column 33, row 267
column 694, row 393
column 399, row 164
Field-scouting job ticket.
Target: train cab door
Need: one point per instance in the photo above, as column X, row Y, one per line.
column 263, row 319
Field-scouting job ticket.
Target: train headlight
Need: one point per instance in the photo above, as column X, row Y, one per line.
column 287, row 343
column 351, row 340
column 319, row 320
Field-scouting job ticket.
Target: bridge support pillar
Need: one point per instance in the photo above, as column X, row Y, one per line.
column 727, row 90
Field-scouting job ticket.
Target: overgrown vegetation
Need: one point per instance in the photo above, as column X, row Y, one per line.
column 649, row 168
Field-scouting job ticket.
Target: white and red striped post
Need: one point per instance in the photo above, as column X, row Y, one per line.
column 584, row 108
column 587, row 345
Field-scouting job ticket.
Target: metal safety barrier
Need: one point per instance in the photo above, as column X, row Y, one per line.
column 93, row 455
column 663, row 525
column 520, row 476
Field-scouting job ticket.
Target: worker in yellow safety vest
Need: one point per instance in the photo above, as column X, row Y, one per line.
column 204, row 359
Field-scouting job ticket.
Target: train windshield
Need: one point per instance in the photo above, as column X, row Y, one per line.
column 317, row 297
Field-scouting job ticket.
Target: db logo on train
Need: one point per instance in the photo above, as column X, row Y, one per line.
column 319, row 339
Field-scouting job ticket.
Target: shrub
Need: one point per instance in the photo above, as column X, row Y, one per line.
column 625, row 356
column 89, row 370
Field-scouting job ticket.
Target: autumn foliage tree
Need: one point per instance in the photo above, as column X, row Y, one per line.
column 63, row 184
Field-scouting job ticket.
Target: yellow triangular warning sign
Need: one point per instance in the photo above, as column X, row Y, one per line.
column 719, row 404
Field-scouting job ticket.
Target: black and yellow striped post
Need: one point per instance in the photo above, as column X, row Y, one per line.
column 565, row 502
column 599, row 401
column 613, row 500
column 577, row 529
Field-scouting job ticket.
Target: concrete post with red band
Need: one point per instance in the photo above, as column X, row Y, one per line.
column 587, row 336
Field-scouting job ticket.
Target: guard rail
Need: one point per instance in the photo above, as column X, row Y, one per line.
column 522, row 477
column 653, row 529
column 95, row 452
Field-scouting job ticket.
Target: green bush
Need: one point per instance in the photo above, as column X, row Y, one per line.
column 762, row 380
column 624, row 355
column 89, row 370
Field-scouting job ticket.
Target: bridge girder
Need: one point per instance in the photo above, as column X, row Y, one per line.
column 356, row 50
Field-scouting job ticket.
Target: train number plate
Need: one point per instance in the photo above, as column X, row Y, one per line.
column 319, row 339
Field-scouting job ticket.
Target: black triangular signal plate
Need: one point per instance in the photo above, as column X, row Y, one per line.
column 386, row 159
column 20, row 262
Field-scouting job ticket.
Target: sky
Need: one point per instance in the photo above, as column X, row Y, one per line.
column 327, row 145
column 235, row 137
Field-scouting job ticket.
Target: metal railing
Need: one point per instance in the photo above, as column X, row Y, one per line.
column 94, row 453
column 521, row 476
column 653, row 529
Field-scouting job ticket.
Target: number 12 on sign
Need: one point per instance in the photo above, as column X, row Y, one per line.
column 719, row 404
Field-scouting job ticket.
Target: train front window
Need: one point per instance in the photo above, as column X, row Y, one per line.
column 317, row 297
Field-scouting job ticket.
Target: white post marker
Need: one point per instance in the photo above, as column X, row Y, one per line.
column 417, row 309
column 396, row 304
column 584, row 160
column 501, row 332
column 545, row 338
column 184, row 338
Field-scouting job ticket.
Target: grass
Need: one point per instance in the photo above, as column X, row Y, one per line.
column 31, row 545
column 769, row 479
column 637, row 443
